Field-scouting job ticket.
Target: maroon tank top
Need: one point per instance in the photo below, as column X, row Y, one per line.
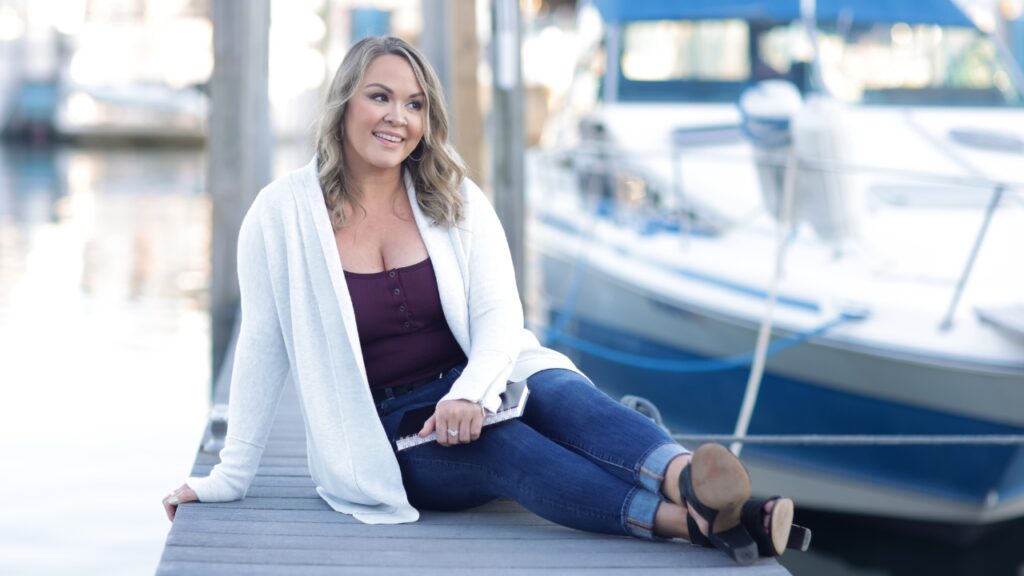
column 402, row 329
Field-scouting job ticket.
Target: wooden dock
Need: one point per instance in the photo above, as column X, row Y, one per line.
column 283, row 527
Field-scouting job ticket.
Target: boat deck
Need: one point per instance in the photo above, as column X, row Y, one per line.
column 283, row 527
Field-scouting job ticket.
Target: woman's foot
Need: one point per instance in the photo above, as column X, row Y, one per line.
column 777, row 514
column 670, row 488
column 671, row 517
column 769, row 505
column 770, row 524
column 713, row 487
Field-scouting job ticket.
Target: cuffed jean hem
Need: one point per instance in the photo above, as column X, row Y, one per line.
column 654, row 465
column 638, row 518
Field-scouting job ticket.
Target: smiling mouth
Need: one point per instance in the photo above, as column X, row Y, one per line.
column 388, row 137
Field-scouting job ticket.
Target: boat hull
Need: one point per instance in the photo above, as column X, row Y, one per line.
column 816, row 387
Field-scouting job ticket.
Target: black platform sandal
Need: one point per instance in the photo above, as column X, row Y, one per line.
column 781, row 534
column 716, row 484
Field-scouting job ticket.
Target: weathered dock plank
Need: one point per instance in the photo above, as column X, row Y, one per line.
column 283, row 527
column 441, row 557
column 359, row 543
column 461, row 531
column 188, row 568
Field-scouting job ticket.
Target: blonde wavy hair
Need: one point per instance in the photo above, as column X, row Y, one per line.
column 436, row 168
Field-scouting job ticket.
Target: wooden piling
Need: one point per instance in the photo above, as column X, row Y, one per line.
column 239, row 147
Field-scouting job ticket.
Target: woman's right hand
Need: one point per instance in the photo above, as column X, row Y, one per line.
column 455, row 421
column 179, row 496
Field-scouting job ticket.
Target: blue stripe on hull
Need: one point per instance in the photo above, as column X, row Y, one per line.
column 708, row 403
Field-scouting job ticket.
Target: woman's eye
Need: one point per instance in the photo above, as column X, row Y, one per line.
column 416, row 105
column 379, row 97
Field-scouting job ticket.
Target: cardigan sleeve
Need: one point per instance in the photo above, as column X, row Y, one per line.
column 495, row 310
column 258, row 375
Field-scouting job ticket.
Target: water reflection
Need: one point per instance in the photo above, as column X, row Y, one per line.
column 104, row 351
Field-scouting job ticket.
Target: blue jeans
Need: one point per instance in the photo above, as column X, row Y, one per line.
column 576, row 457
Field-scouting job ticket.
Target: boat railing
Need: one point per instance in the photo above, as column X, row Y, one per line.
column 599, row 157
column 599, row 151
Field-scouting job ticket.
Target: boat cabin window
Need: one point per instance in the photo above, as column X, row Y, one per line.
column 683, row 50
column 915, row 65
column 673, row 59
column 880, row 63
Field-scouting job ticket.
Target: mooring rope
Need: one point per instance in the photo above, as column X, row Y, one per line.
column 856, row 439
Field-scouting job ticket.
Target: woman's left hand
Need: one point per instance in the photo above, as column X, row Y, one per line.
column 179, row 496
column 456, row 422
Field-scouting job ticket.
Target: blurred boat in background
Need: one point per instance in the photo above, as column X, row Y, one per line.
column 107, row 72
column 656, row 222
column 137, row 111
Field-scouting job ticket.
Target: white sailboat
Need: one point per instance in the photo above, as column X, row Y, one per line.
column 898, row 305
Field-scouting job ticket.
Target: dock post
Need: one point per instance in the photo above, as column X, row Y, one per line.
column 238, row 147
column 507, row 158
column 467, row 118
column 450, row 43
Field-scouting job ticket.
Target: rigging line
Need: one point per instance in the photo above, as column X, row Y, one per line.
column 753, row 388
column 857, row 439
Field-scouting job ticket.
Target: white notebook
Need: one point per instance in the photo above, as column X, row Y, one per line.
column 513, row 402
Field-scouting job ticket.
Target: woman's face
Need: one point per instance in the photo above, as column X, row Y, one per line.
column 385, row 117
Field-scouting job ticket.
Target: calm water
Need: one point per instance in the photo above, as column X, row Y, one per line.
column 104, row 366
column 104, row 343
column 104, row 350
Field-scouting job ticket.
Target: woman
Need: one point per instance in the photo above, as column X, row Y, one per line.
column 378, row 280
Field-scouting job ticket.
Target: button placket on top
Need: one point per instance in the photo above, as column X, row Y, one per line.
column 398, row 293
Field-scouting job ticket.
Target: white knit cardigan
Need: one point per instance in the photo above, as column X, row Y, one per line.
column 298, row 325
